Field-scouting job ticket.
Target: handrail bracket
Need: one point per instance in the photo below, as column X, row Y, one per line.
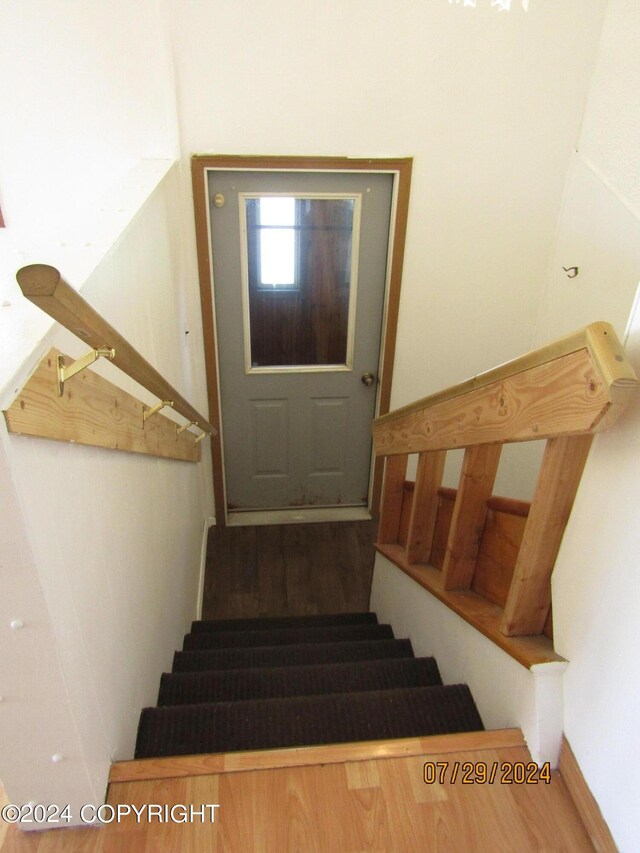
column 66, row 372
column 147, row 413
column 185, row 427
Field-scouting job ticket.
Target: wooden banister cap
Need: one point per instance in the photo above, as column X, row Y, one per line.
column 38, row 280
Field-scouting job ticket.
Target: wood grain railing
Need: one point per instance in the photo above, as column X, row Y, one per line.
column 65, row 401
column 44, row 286
column 564, row 393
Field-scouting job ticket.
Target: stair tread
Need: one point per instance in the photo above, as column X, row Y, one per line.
column 266, row 622
column 284, row 636
column 306, row 720
column 307, row 653
column 312, row 679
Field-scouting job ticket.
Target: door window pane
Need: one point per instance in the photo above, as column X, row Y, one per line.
column 276, row 217
column 301, row 279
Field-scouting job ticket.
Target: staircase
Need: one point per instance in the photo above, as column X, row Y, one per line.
column 246, row 684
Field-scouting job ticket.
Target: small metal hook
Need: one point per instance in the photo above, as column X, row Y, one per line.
column 571, row 272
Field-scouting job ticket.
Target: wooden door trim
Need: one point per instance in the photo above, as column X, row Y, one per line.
column 200, row 164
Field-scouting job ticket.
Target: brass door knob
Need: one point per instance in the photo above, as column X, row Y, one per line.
column 368, row 379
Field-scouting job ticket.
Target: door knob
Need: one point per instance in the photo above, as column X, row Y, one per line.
column 367, row 379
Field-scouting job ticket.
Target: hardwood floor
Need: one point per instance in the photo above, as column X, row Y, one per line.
column 376, row 804
column 288, row 569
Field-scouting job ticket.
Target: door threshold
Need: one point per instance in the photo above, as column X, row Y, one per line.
column 298, row 516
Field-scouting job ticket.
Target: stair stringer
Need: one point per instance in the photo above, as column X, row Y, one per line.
column 506, row 693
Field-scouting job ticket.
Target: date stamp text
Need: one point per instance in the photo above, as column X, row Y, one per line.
column 486, row 773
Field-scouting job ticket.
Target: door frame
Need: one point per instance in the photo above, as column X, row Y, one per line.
column 201, row 164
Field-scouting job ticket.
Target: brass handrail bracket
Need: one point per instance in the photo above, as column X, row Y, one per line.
column 93, row 411
column 147, row 413
column 43, row 285
column 184, row 427
column 66, row 372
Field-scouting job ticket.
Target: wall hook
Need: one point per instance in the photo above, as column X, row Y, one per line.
column 571, row 272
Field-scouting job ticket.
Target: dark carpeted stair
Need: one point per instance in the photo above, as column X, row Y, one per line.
column 181, row 688
column 296, row 681
column 270, row 622
column 284, row 636
column 286, row 656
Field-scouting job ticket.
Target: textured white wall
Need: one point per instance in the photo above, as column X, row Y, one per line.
column 99, row 551
column 88, row 127
column 595, row 584
column 115, row 539
column 36, row 716
column 600, row 234
column 86, row 92
column 596, row 597
column 599, row 226
column 611, row 128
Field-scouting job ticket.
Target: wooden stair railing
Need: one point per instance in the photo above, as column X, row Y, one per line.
column 564, row 393
column 96, row 411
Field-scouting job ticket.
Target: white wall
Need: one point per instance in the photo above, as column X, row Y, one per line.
column 115, row 538
column 612, row 120
column 36, row 717
column 600, row 234
column 88, row 127
column 99, row 551
column 596, row 598
column 86, row 92
column 595, row 584
column 599, row 226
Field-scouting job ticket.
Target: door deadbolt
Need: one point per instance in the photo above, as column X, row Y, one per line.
column 219, row 200
column 367, row 379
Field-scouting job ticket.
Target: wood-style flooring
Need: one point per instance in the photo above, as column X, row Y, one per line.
column 355, row 806
column 288, row 569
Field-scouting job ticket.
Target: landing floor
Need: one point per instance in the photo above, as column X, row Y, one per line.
column 377, row 804
column 288, row 569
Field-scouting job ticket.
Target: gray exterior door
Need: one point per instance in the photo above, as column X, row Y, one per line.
column 299, row 271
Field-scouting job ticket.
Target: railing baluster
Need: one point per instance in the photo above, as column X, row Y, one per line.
column 424, row 509
column 392, row 494
column 564, row 393
column 530, row 593
column 476, row 482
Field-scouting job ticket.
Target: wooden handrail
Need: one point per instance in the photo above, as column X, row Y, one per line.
column 576, row 385
column 564, row 393
column 44, row 286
